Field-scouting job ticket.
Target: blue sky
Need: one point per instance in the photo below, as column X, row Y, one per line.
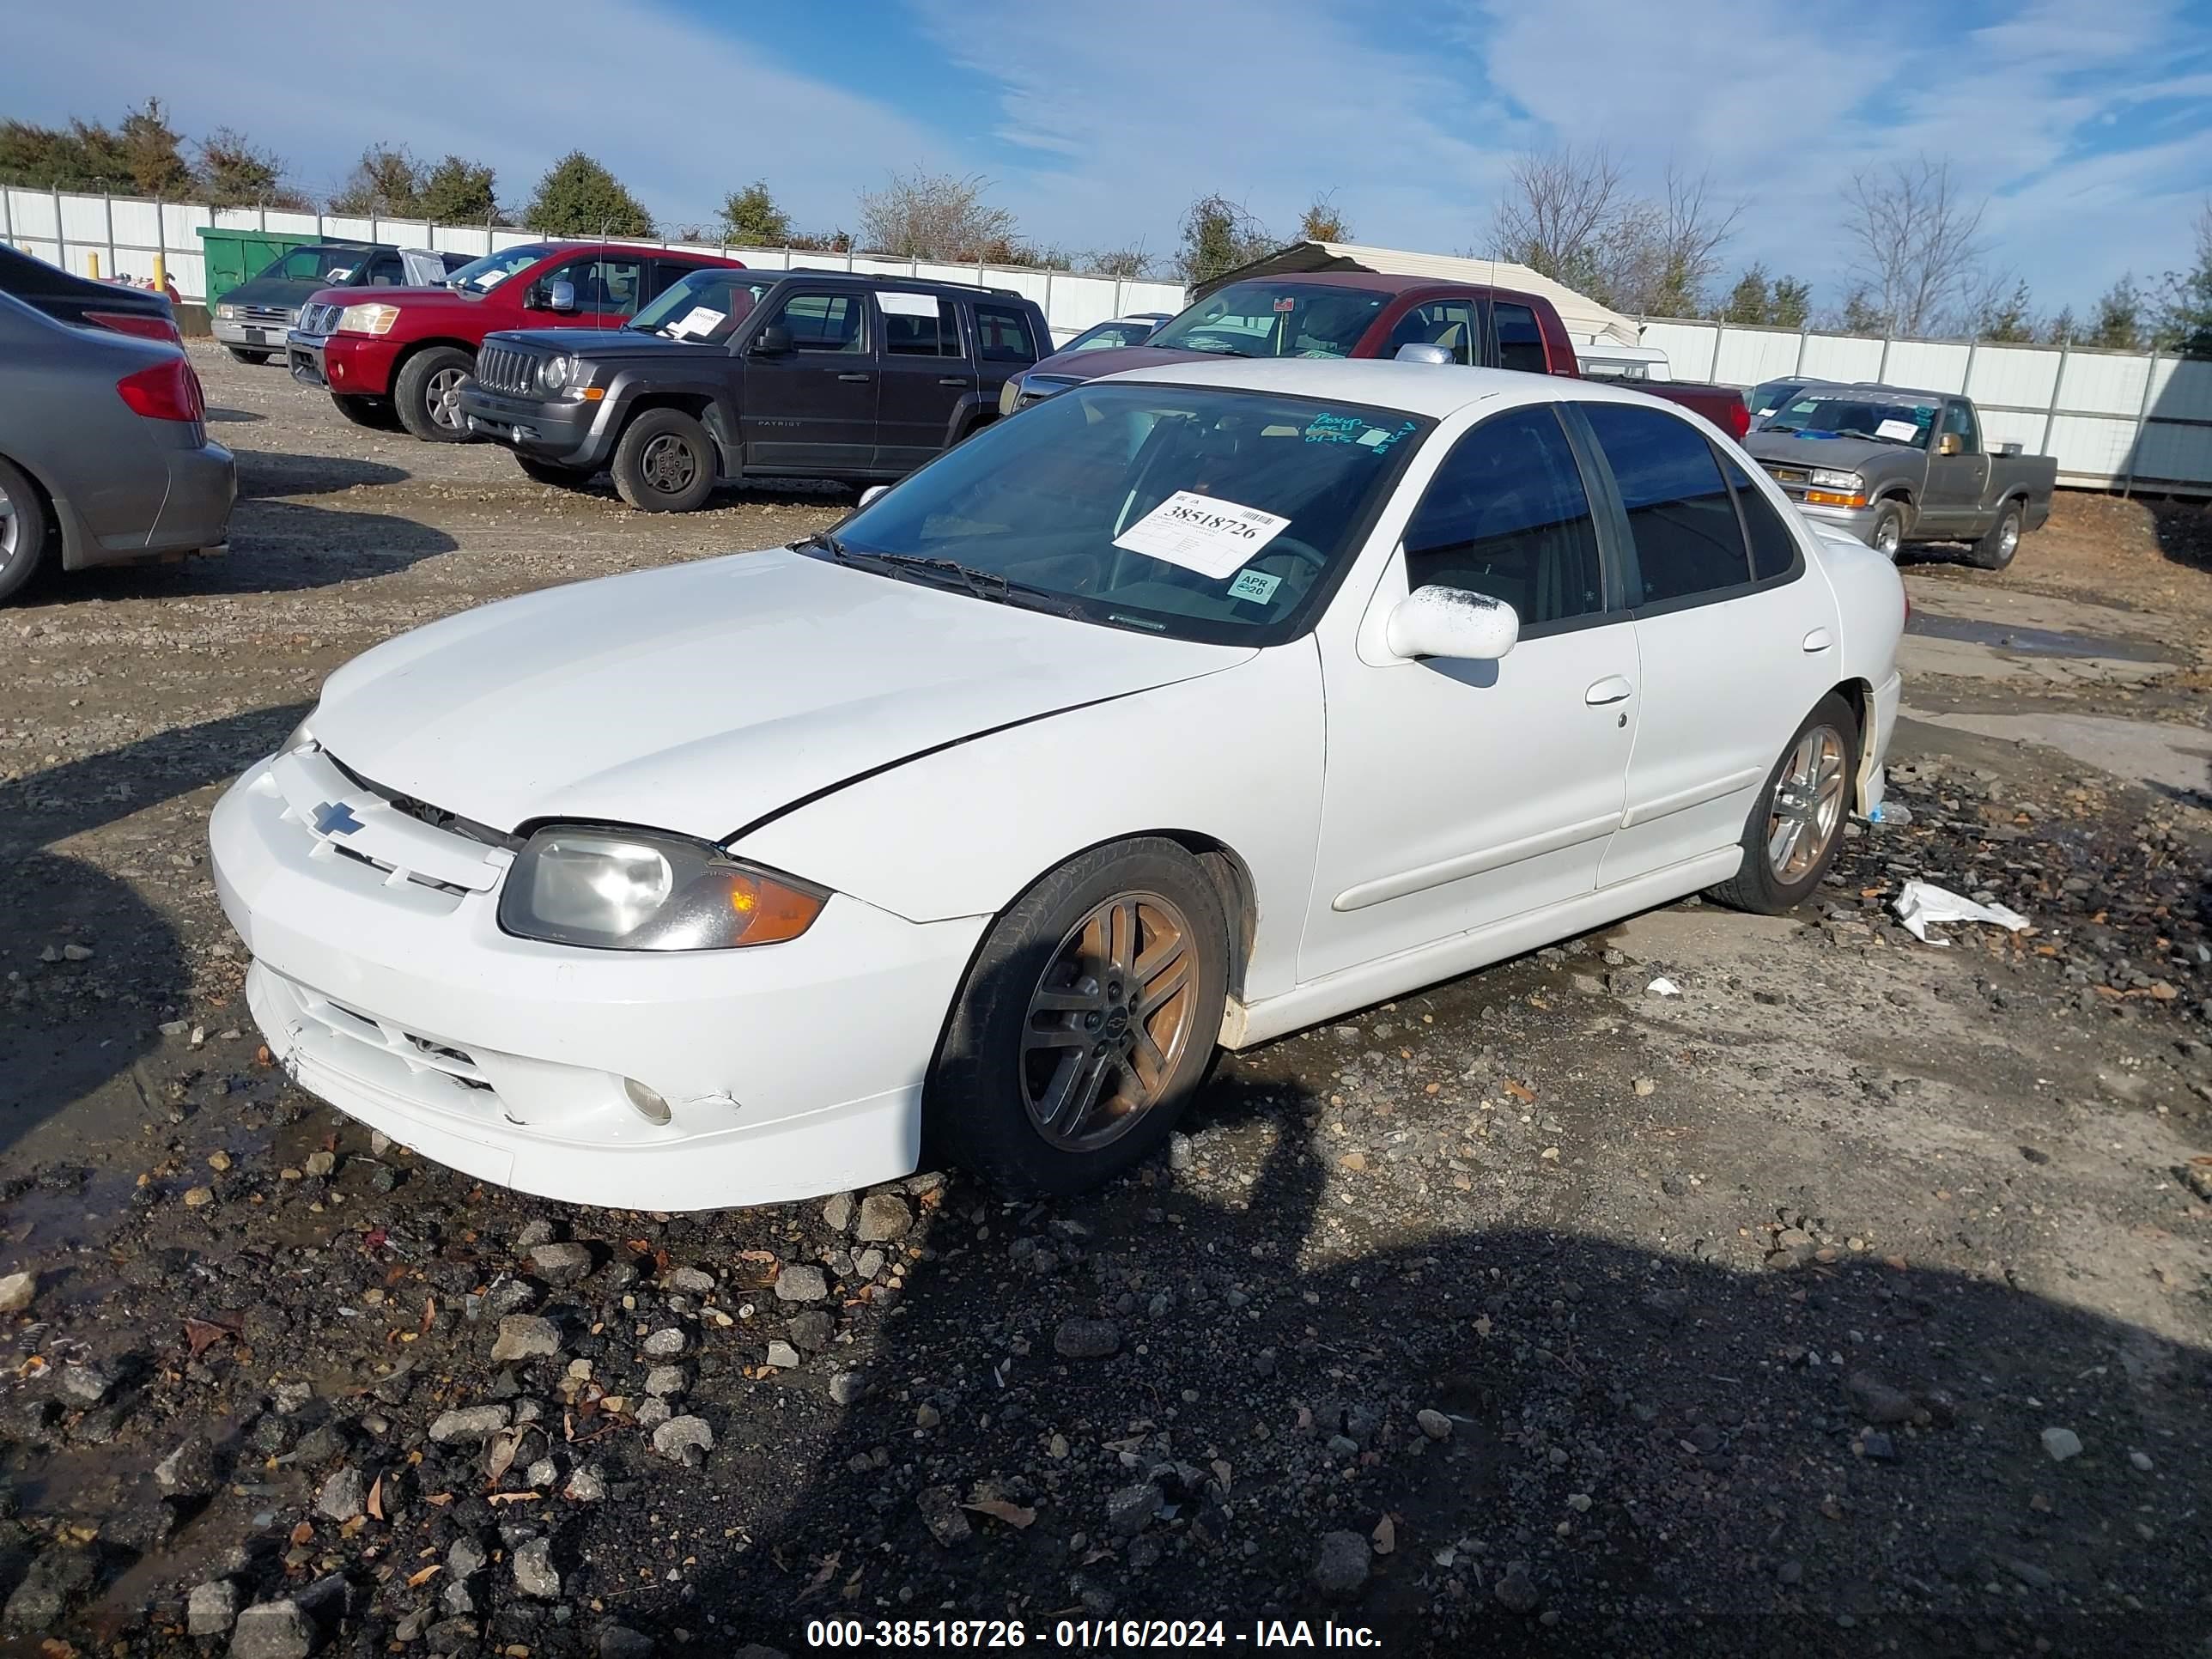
column 2089, row 126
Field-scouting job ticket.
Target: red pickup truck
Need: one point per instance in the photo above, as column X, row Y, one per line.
column 405, row 352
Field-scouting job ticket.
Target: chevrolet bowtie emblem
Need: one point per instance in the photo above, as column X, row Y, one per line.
column 335, row 818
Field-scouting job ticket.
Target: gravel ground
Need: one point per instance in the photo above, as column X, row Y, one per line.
column 1852, row 1298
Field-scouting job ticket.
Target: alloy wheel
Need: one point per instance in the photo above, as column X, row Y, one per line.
column 11, row 527
column 445, row 398
column 1808, row 804
column 1888, row 536
column 1109, row 1021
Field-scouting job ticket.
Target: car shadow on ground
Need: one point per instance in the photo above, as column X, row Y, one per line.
column 1626, row 1451
column 218, row 416
column 263, row 473
column 99, row 967
column 276, row 547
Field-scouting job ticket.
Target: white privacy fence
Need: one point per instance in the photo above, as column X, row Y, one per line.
column 126, row 235
column 2112, row 419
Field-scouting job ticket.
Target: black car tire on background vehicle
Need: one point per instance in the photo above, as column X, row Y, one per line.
column 545, row 472
column 1995, row 551
column 1109, row 973
column 428, row 393
column 1887, row 536
column 375, row 413
column 25, row 528
column 1809, row 789
column 247, row 355
column 665, row 462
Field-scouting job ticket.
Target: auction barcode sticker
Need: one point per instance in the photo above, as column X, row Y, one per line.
column 1216, row 538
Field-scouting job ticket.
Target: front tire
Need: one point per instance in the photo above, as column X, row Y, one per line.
column 664, row 463
column 428, row 394
column 1087, row 1023
column 1995, row 551
column 1797, row 824
column 243, row 356
column 1887, row 536
column 26, row 529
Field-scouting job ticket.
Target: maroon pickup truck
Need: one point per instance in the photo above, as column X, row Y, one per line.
column 383, row 352
column 1336, row 314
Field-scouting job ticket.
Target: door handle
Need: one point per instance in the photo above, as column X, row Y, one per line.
column 1819, row 640
column 851, row 377
column 951, row 380
column 1613, row 688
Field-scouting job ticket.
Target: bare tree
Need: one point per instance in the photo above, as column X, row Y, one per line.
column 926, row 215
column 1324, row 221
column 1132, row 262
column 1559, row 209
column 1916, row 241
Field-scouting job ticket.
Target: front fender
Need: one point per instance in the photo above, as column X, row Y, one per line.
column 1233, row 758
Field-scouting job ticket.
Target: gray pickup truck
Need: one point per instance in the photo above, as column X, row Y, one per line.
column 1893, row 466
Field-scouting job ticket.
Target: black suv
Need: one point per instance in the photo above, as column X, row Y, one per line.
column 736, row 373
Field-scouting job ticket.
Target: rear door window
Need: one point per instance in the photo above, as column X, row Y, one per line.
column 1520, row 341
column 911, row 331
column 1681, row 517
column 1004, row 335
column 605, row 286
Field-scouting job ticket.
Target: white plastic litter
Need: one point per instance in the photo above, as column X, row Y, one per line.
column 1663, row 987
column 1921, row 902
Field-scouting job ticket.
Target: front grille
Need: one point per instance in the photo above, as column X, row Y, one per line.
column 423, row 812
column 319, row 319
column 417, row 1053
column 267, row 316
column 503, row 369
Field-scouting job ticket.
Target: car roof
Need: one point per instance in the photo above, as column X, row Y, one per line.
column 1366, row 281
column 1436, row 390
column 903, row 284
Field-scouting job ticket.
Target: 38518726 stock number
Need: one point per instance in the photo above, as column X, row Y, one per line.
column 1066, row 1634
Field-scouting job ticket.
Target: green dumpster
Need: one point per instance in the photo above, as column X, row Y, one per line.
column 239, row 255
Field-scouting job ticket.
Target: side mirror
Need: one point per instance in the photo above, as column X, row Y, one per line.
column 1948, row 444
column 2008, row 450
column 872, row 492
column 1418, row 352
column 560, row 296
column 772, row 342
column 1452, row 622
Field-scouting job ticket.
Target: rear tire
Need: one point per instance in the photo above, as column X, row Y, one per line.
column 664, row 463
column 428, row 394
column 1995, row 551
column 561, row 477
column 243, row 356
column 375, row 413
column 26, row 530
column 1810, row 792
column 1087, row 1023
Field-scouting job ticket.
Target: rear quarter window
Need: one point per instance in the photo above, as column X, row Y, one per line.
column 1004, row 335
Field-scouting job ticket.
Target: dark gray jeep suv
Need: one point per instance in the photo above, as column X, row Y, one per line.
column 735, row 373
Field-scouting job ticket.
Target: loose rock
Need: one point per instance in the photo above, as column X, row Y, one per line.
column 884, row 1217
column 941, row 1513
column 469, row 1425
column 534, row 1572
column 801, row 1282
column 686, row 1440
column 274, row 1629
column 211, row 1609
column 526, row 1336
column 1341, row 1565
column 1086, row 1339
column 17, row 1291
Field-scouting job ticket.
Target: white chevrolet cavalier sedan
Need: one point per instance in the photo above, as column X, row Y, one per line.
column 1182, row 710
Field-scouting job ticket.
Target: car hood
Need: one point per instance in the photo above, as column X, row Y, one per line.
column 410, row 298
column 1112, row 359
column 290, row 291
column 702, row 697
column 1770, row 446
column 600, row 343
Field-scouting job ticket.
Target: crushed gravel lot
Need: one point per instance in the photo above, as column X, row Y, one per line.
column 1710, row 1284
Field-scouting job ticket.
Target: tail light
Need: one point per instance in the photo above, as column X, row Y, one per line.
column 130, row 322
column 1739, row 418
column 166, row 391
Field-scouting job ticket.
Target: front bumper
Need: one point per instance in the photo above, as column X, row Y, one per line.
column 303, row 355
column 252, row 334
column 790, row 1070
column 1852, row 520
column 348, row 365
column 576, row 435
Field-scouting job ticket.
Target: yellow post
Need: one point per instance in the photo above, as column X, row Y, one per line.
column 96, row 267
column 161, row 271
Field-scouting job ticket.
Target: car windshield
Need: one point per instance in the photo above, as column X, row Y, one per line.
column 482, row 275
column 708, row 306
column 1274, row 319
column 315, row 264
column 1843, row 415
column 1102, row 336
column 1202, row 513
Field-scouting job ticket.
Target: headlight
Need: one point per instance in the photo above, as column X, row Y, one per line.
column 1827, row 477
column 553, row 372
column 1009, row 395
column 225, row 313
column 368, row 320
column 625, row 890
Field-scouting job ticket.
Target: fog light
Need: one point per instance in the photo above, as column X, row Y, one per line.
column 650, row 1106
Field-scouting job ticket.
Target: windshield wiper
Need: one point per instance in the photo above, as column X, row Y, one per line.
column 982, row 584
